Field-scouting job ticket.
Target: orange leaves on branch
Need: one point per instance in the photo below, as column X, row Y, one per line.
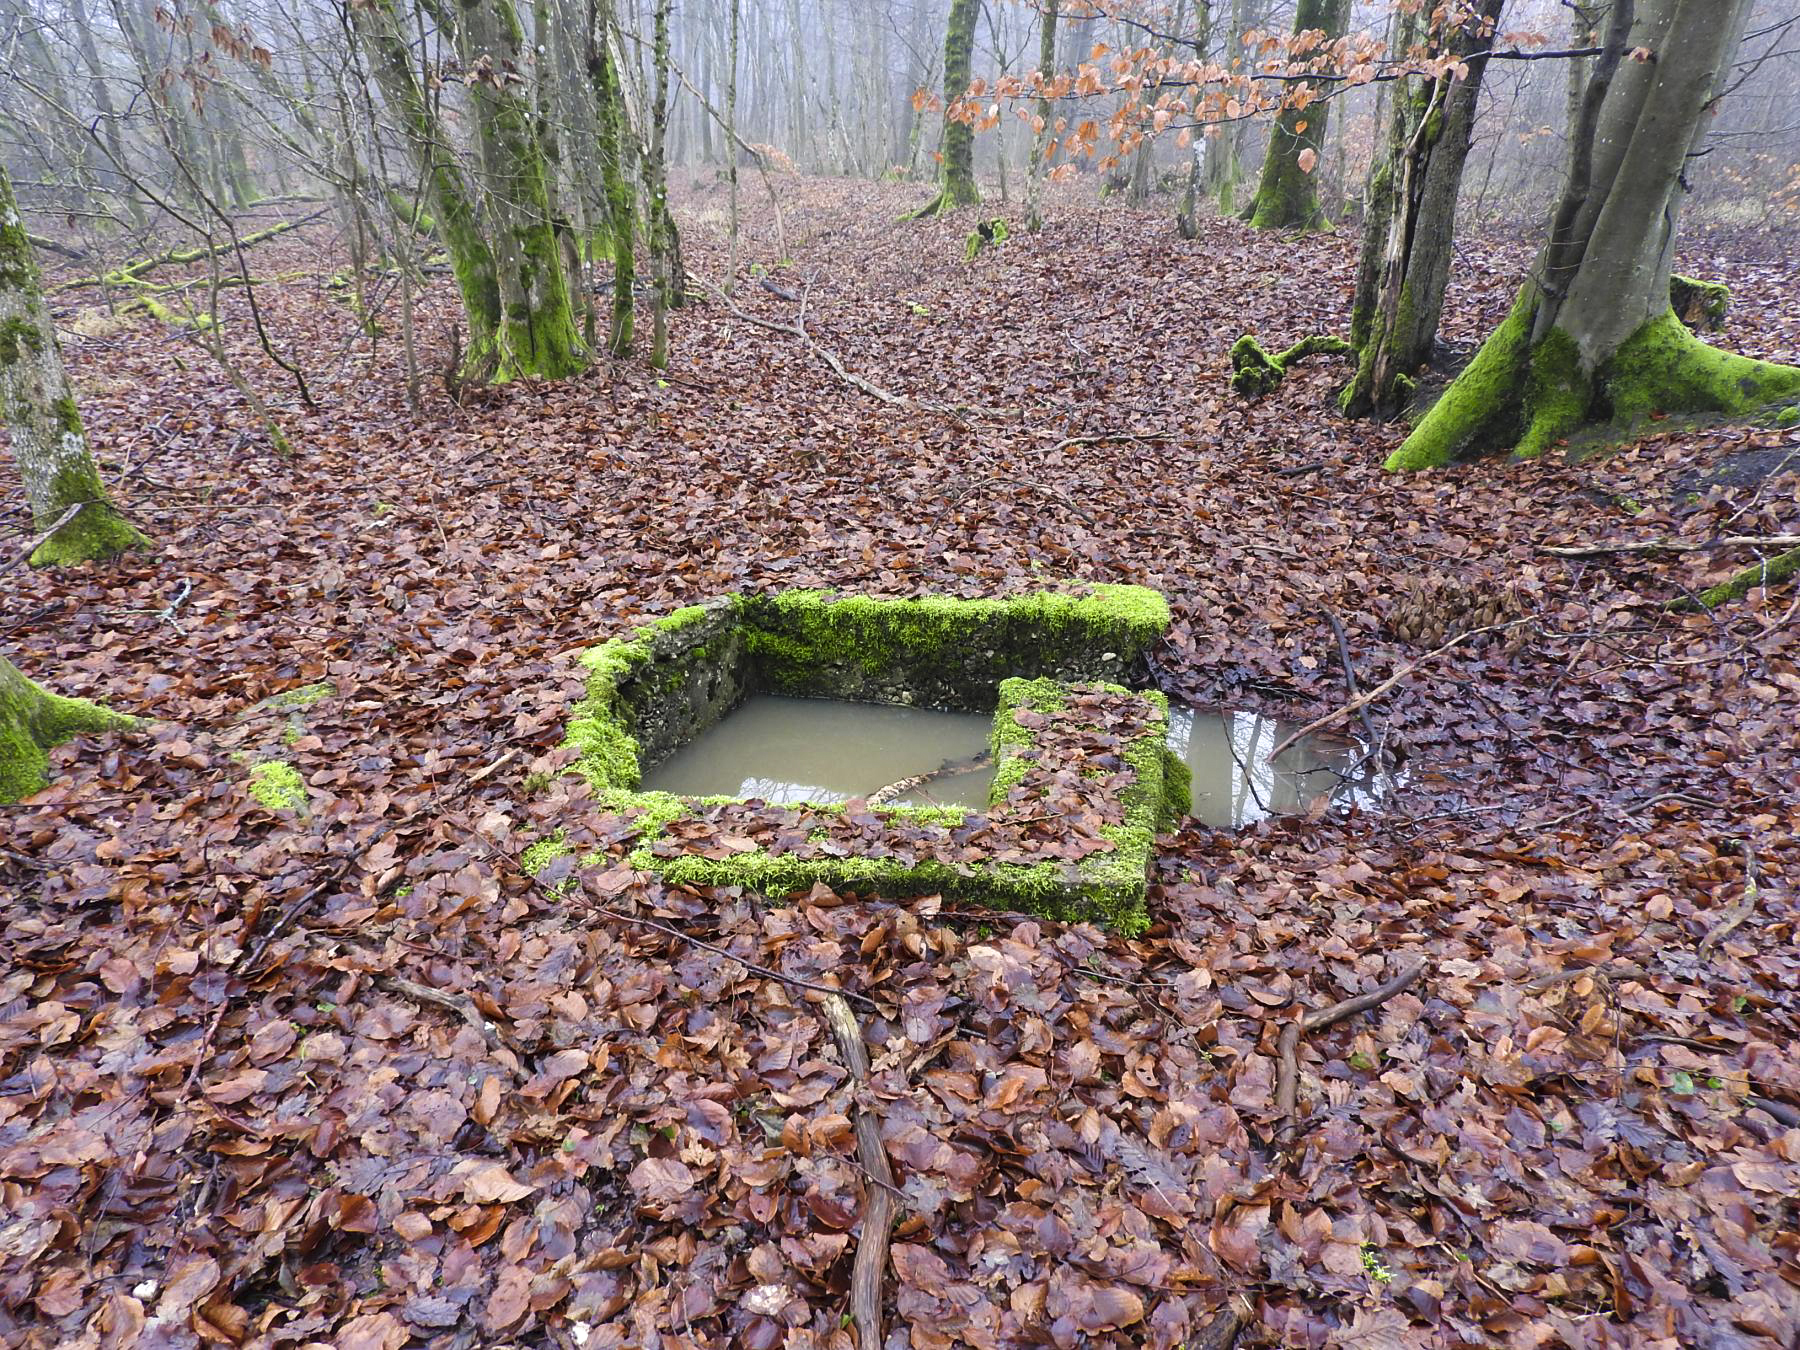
column 1307, row 159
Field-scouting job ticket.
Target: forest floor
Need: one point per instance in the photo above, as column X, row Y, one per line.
column 345, row 1075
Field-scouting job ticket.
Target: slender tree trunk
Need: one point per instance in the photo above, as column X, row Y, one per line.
column 62, row 483
column 731, row 142
column 1410, row 226
column 538, row 334
column 958, row 175
column 1591, row 337
column 1042, row 118
column 609, row 96
column 1224, row 162
column 657, row 187
column 1288, row 196
column 32, row 722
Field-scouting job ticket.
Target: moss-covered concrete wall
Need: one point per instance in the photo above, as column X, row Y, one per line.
column 1083, row 781
column 942, row 652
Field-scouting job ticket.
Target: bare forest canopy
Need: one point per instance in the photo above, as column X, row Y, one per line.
column 118, row 112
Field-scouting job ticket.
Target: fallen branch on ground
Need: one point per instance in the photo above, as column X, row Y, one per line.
column 132, row 272
column 1768, row 572
column 1363, row 700
column 831, row 358
column 1596, row 550
column 1287, row 1083
column 878, row 1203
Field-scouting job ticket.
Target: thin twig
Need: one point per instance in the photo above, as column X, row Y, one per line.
column 55, row 525
column 1738, row 912
column 1363, row 700
column 1287, row 1083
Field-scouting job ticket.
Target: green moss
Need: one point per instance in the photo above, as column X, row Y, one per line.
column 19, row 336
column 96, row 533
column 985, row 233
column 1697, row 303
column 600, row 728
column 544, row 852
column 803, row 642
column 302, row 697
column 1664, row 368
column 277, row 785
column 1558, row 393
column 1771, row 572
column 32, row 722
column 1256, row 371
column 1486, row 394
column 1788, row 416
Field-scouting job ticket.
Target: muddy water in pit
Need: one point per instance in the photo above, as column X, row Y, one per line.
column 816, row 750
column 1234, row 782
column 802, row 749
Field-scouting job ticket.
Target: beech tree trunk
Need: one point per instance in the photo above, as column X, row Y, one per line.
column 1287, row 198
column 499, row 227
column 658, row 188
column 1591, row 337
column 1041, row 119
column 609, row 96
column 33, row 721
column 39, row 412
column 1410, row 228
column 957, row 179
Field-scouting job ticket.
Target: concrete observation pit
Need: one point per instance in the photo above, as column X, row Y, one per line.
column 1082, row 776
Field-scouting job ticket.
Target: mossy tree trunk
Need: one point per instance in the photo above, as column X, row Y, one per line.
column 39, row 412
column 33, row 721
column 609, row 98
column 498, row 224
column 957, row 177
column 538, row 333
column 1409, row 233
column 1287, row 198
column 1591, row 337
column 657, row 187
column 1041, row 118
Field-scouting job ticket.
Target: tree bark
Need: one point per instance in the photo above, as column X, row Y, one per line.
column 1410, row 229
column 1041, row 120
column 957, row 180
column 1288, row 196
column 537, row 334
column 32, row 722
column 1591, row 338
column 656, row 174
column 609, row 95
column 39, row 411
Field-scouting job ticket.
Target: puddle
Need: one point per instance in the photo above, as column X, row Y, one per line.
column 786, row 750
column 1234, row 782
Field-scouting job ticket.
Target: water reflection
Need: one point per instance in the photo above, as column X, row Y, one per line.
column 787, row 750
column 1235, row 784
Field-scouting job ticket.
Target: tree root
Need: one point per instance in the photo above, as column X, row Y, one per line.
column 1257, row 371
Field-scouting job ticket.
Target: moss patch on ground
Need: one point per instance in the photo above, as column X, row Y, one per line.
column 277, row 785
